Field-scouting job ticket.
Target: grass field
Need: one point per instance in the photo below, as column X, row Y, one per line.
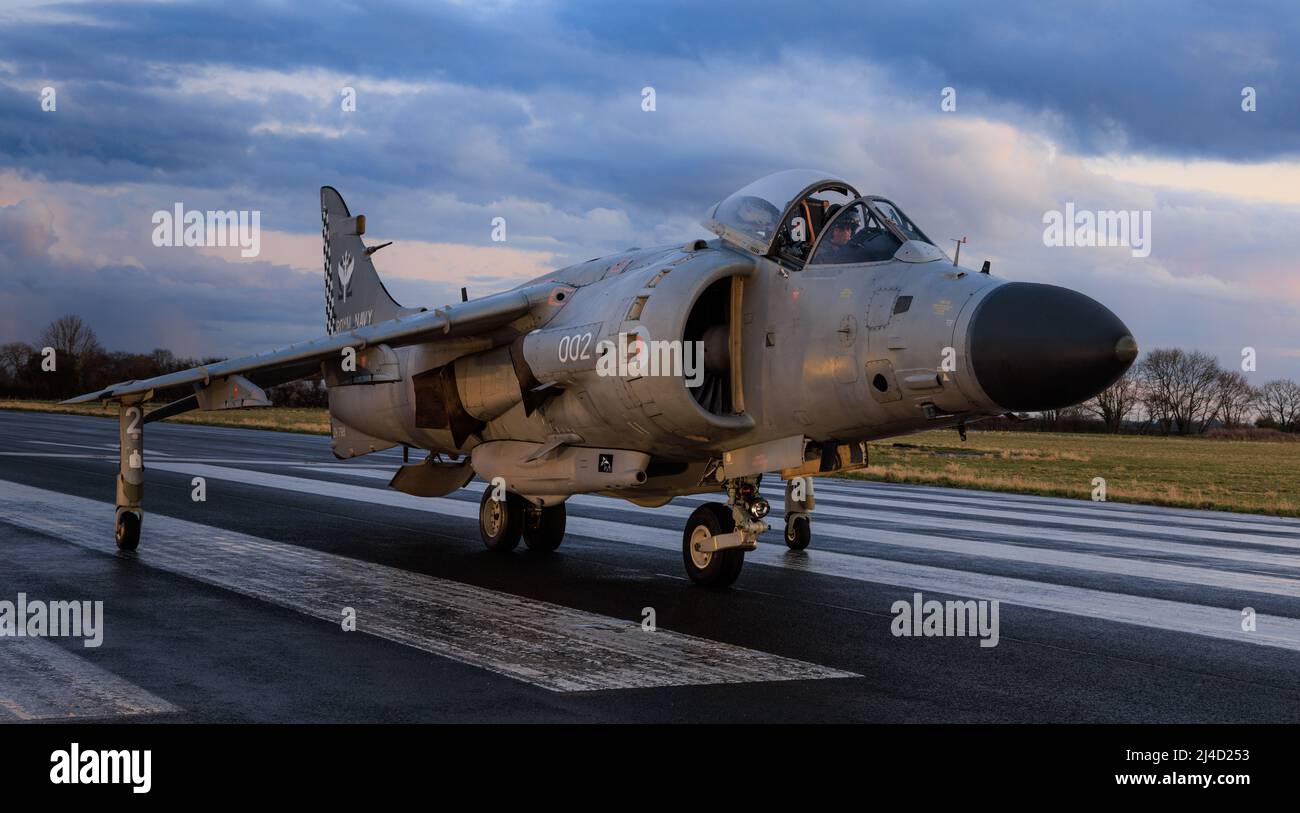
column 283, row 419
column 1251, row 476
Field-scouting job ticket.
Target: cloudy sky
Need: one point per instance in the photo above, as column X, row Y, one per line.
column 533, row 112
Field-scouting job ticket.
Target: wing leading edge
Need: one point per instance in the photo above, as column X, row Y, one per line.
column 534, row 304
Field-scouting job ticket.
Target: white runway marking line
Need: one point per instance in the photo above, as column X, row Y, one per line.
column 1174, row 616
column 902, row 495
column 99, row 447
column 150, row 455
column 40, row 680
column 547, row 645
column 1080, row 517
column 1239, row 530
column 105, row 456
column 1117, row 565
column 1045, row 507
column 965, row 528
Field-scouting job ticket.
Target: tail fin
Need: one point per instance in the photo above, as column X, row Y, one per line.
column 354, row 294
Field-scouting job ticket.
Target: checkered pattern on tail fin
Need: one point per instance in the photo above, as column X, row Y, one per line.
column 329, row 276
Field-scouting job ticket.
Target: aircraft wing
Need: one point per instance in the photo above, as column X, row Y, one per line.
column 531, row 305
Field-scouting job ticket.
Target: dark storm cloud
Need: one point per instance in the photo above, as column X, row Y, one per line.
column 1164, row 76
column 1161, row 77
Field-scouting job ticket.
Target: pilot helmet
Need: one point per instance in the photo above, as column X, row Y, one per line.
column 851, row 220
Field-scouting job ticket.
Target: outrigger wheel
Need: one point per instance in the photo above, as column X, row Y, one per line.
column 544, row 527
column 127, row 533
column 798, row 531
column 711, row 568
column 500, row 522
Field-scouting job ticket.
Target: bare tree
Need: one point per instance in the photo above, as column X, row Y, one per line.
column 1234, row 399
column 1115, row 403
column 164, row 359
column 1155, row 374
column 1279, row 402
column 69, row 334
column 13, row 358
column 1179, row 388
column 73, row 339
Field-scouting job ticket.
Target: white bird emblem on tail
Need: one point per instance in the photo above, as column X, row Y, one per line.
column 345, row 275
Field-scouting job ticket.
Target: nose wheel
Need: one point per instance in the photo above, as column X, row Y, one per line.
column 706, row 566
column 717, row 536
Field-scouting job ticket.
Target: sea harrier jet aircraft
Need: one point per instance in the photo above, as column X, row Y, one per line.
column 818, row 319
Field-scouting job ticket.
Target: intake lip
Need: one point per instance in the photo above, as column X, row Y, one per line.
column 1036, row 347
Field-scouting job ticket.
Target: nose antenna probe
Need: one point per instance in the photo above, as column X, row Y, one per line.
column 958, row 241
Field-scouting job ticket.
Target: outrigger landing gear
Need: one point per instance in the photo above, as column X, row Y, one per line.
column 130, row 474
column 717, row 536
column 799, row 504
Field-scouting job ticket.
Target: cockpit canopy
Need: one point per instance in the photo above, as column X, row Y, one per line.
column 784, row 215
column 752, row 217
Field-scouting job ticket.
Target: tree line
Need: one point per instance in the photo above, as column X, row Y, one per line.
column 76, row 363
column 1172, row 391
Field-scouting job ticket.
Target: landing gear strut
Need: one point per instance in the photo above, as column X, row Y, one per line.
column 130, row 475
column 544, row 527
column 717, row 536
column 799, row 503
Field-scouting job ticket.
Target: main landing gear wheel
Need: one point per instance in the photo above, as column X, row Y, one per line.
column 710, row 568
column 128, row 530
column 798, row 532
column 500, row 522
column 544, row 527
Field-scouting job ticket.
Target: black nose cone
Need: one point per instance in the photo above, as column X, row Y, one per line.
column 1036, row 347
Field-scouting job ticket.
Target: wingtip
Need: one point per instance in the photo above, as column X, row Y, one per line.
column 82, row 399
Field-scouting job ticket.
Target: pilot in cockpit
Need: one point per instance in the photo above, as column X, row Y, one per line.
column 835, row 248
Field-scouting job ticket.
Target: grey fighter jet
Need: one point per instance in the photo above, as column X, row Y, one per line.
column 816, row 320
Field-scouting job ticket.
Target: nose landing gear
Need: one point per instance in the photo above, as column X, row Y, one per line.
column 717, row 536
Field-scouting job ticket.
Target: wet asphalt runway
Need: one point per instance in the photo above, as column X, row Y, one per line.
column 232, row 608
